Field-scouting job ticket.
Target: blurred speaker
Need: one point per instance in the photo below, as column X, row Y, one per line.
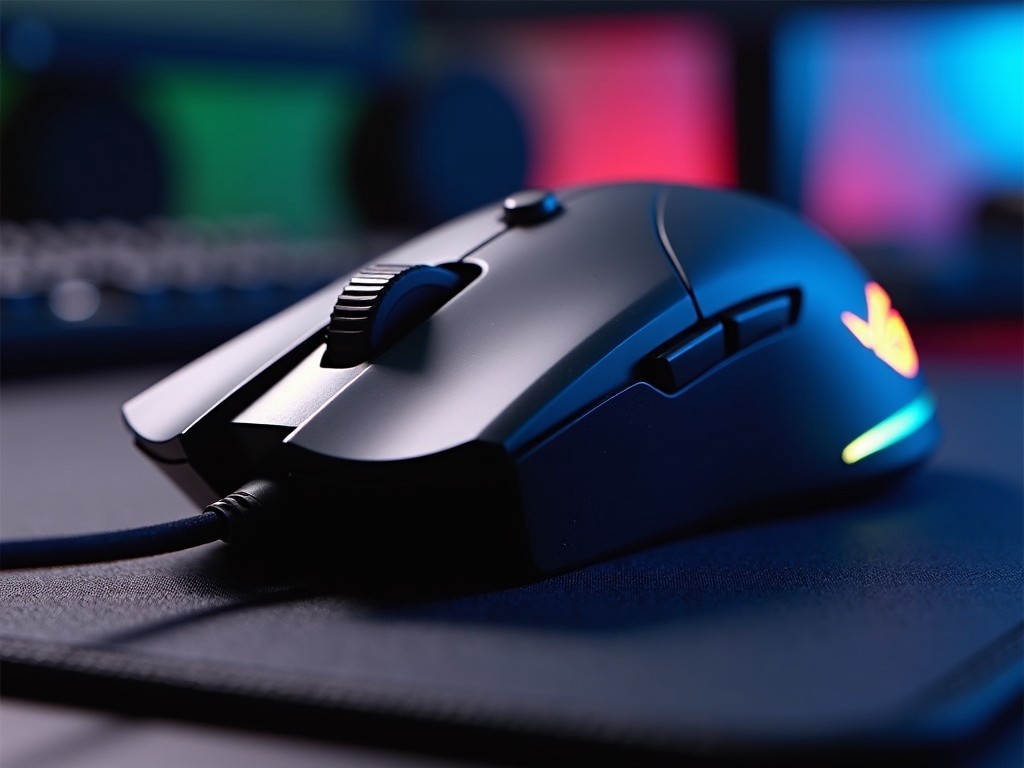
column 421, row 155
column 75, row 147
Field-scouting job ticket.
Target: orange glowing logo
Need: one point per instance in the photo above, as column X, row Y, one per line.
column 884, row 332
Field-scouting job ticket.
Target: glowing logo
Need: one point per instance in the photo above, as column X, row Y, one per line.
column 884, row 332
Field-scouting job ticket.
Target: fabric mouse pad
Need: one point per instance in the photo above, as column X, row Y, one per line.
column 893, row 623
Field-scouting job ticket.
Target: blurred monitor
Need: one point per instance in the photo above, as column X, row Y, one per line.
column 900, row 131
column 619, row 97
column 175, row 172
column 895, row 124
column 607, row 96
column 213, row 110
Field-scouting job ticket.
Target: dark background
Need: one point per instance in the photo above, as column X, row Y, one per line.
column 172, row 172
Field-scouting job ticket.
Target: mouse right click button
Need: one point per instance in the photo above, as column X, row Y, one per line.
column 754, row 322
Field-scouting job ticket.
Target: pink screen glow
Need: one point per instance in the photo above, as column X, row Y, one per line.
column 874, row 170
column 619, row 99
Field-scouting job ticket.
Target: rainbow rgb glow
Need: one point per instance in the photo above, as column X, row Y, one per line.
column 894, row 123
column 902, row 424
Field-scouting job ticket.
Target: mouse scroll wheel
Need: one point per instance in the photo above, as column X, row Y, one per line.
column 381, row 304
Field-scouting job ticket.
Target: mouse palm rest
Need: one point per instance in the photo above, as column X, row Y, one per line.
column 560, row 378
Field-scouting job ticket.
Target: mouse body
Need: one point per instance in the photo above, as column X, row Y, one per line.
column 558, row 378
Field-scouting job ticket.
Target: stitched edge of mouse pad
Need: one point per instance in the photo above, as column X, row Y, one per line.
column 943, row 720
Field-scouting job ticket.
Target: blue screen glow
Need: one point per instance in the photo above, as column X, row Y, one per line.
column 894, row 123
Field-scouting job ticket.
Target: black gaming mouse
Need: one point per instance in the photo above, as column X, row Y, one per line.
column 557, row 378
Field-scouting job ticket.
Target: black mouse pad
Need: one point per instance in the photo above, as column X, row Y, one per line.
column 888, row 626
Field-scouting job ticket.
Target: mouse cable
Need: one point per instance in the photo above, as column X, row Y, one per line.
column 237, row 516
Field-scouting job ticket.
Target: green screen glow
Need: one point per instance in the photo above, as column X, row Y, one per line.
column 248, row 142
column 901, row 424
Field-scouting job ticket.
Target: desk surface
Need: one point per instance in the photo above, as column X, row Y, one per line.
column 66, row 465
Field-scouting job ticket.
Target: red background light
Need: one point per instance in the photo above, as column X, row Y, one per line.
column 615, row 99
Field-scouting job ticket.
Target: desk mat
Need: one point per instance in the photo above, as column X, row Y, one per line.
column 891, row 626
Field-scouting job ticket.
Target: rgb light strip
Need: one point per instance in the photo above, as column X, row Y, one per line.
column 905, row 422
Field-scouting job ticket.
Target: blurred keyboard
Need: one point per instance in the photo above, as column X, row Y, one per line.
column 109, row 292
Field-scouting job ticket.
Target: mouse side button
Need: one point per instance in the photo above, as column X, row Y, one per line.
column 754, row 322
column 687, row 359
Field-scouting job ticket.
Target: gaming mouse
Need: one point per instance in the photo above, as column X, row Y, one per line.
column 559, row 377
